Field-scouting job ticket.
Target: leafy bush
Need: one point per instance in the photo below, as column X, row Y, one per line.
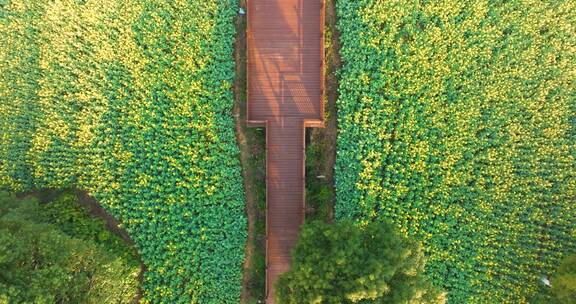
column 564, row 281
column 457, row 122
column 66, row 213
column 344, row 263
column 42, row 263
column 131, row 101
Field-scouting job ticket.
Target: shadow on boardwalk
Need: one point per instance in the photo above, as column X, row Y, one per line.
column 285, row 50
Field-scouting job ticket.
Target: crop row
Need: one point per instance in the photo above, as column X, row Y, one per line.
column 456, row 122
column 131, row 101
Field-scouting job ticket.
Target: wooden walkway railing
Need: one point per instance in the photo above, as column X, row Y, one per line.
column 285, row 90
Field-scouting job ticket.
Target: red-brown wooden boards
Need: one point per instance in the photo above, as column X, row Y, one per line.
column 285, row 87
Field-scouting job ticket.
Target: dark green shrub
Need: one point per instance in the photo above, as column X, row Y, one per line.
column 47, row 261
column 564, row 281
column 344, row 263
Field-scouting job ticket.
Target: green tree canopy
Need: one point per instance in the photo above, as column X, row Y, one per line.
column 564, row 281
column 344, row 263
column 42, row 261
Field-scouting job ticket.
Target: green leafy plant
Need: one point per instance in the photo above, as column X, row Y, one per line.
column 456, row 122
column 131, row 101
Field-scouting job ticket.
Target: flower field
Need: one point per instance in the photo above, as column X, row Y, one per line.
column 131, row 101
column 457, row 121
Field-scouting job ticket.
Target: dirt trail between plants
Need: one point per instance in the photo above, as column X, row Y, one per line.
column 239, row 111
column 324, row 140
column 333, row 64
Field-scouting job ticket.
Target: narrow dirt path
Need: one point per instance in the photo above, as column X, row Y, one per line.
column 333, row 63
column 250, row 145
column 239, row 103
column 321, row 151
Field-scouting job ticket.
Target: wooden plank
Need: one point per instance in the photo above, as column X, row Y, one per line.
column 285, row 87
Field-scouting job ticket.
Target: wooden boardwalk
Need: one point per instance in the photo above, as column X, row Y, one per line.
column 285, row 88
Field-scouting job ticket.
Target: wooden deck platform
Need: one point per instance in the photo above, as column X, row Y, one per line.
column 285, row 88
